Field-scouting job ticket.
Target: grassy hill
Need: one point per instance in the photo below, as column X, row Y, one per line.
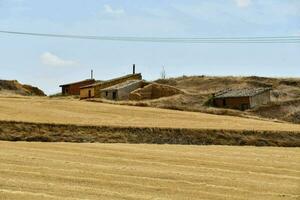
column 198, row 89
column 70, row 111
column 122, row 171
column 8, row 87
column 70, row 120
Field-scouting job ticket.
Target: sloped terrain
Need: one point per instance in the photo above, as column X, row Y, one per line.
column 284, row 110
column 8, row 87
column 120, row 171
column 70, row 111
column 198, row 90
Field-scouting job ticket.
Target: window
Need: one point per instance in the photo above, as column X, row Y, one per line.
column 106, row 93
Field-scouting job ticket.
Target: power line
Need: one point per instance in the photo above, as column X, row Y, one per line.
column 281, row 39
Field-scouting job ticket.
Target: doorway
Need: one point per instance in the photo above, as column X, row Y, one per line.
column 114, row 95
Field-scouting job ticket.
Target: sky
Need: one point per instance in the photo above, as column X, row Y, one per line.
column 49, row 62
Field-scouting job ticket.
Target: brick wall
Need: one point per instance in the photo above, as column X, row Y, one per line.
column 74, row 89
column 233, row 102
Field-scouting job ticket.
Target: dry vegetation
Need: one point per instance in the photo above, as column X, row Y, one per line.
column 21, row 131
column 120, row 171
column 62, row 111
column 198, row 89
column 15, row 88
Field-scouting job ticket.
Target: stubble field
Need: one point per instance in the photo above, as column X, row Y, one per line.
column 68, row 111
column 127, row 171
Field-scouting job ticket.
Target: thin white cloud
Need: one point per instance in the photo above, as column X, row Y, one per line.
column 243, row 3
column 108, row 9
column 50, row 59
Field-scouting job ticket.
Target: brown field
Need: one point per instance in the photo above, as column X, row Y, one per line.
column 122, row 171
column 71, row 111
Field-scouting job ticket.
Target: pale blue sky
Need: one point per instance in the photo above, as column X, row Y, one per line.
column 48, row 62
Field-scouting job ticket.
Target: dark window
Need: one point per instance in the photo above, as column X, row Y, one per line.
column 244, row 107
column 224, row 102
column 90, row 94
column 106, row 93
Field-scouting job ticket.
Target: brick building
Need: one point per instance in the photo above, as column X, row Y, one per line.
column 242, row 99
column 74, row 88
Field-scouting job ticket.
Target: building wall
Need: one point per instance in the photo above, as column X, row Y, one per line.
column 241, row 103
column 74, row 89
column 260, row 99
column 122, row 93
column 154, row 91
column 98, row 88
column 85, row 92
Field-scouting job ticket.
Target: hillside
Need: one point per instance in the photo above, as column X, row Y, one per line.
column 122, row 171
column 198, row 89
column 70, row 111
column 8, row 87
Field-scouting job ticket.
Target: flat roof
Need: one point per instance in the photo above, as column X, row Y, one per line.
column 245, row 92
column 99, row 83
column 77, row 82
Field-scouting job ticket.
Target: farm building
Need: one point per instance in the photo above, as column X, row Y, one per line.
column 121, row 91
column 74, row 88
column 94, row 90
column 242, row 98
column 153, row 91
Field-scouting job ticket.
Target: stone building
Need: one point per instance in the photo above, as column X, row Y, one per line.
column 242, row 99
column 94, row 90
column 121, row 91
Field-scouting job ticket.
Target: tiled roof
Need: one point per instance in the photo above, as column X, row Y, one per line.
column 122, row 85
column 246, row 92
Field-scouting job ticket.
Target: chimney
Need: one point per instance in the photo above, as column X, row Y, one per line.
column 92, row 74
column 133, row 69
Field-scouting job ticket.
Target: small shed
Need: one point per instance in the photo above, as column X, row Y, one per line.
column 121, row 91
column 242, row 99
column 74, row 88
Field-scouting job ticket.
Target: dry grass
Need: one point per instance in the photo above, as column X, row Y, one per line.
column 62, row 111
column 284, row 110
column 120, row 171
column 199, row 89
column 20, row 131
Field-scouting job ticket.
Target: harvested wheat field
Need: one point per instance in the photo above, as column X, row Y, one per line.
column 122, row 171
column 70, row 111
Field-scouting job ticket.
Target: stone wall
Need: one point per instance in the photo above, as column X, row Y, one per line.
column 260, row 99
column 121, row 93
